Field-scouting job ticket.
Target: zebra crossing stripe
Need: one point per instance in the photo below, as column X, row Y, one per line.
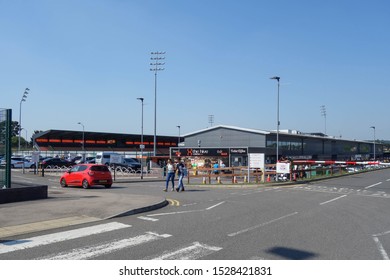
column 15, row 245
column 192, row 252
column 106, row 248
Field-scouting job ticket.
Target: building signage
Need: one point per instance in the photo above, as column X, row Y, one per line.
column 241, row 151
column 189, row 152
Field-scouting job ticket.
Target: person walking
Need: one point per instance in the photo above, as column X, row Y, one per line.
column 170, row 175
column 181, row 173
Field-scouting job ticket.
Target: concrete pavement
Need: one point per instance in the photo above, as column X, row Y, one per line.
column 65, row 207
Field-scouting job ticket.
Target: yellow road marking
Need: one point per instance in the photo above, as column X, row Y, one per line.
column 173, row 202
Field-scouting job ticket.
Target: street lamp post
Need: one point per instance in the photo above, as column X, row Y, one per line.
column 155, row 68
column 26, row 142
column 142, row 135
column 373, row 127
column 24, row 97
column 278, row 122
column 82, row 144
column 178, row 138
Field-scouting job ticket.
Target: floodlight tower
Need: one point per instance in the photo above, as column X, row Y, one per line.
column 156, row 66
column 24, row 98
column 323, row 113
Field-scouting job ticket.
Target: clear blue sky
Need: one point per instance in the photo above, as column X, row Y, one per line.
column 88, row 60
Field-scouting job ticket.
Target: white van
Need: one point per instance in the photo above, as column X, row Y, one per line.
column 104, row 157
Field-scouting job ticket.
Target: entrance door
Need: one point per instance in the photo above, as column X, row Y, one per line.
column 239, row 161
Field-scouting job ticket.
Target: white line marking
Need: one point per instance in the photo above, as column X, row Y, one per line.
column 15, row 245
column 195, row 251
column 380, row 248
column 366, row 188
column 382, row 233
column 90, row 252
column 388, row 180
column 261, row 225
column 147, row 219
column 333, row 199
column 174, row 213
column 185, row 212
column 211, row 207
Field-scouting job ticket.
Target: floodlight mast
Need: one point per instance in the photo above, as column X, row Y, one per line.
column 156, row 58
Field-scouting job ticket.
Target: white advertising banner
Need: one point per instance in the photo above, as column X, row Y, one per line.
column 283, row 167
column 256, row 161
column 116, row 158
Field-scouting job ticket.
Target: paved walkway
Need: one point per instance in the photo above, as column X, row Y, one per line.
column 69, row 207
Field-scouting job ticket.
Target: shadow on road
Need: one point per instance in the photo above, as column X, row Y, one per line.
column 291, row 254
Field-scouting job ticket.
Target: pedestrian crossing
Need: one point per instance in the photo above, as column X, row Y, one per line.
column 191, row 251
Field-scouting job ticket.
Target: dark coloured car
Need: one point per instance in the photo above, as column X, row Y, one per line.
column 59, row 162
column 131, row 163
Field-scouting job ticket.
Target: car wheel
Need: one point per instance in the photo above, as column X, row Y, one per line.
column 32, row 166
column 85, row 184
column 63, row 183
column 107, row 186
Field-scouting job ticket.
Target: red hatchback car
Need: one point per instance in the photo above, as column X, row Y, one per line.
column 86, row 175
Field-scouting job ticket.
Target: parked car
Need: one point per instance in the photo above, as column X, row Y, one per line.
column 55, row 162
column 86, row 175
column 129, row 163
column 18, row 162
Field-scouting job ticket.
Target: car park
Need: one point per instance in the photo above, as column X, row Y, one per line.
column 19, row 162
column 86, row 175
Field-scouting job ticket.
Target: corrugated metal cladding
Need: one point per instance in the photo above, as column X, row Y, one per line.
column 224, row 138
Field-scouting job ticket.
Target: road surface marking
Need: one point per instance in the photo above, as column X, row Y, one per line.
column 261, row 225
column 173, row 202
column 147, row 219
column 366, row 188
column 211, row 207
column 192, row 252
column 185, row 212
column 90, row 252
column 381, row 249
column 325, row 202
column 22, row 244
column 174, row 213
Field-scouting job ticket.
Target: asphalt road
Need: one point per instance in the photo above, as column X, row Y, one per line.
column 337, row 219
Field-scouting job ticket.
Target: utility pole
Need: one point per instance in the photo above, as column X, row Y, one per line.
column 142, row 146
column 156, row 66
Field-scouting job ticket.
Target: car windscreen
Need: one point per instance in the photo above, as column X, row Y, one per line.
column 101, row 168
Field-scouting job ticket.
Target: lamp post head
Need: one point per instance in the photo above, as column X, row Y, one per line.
column 275, row 78
column 140, row 98
column 373, row 127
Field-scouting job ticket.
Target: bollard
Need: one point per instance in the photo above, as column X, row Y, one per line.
column 219, row 180
column 245, row 180
column 268, row 178
column 204, row 180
